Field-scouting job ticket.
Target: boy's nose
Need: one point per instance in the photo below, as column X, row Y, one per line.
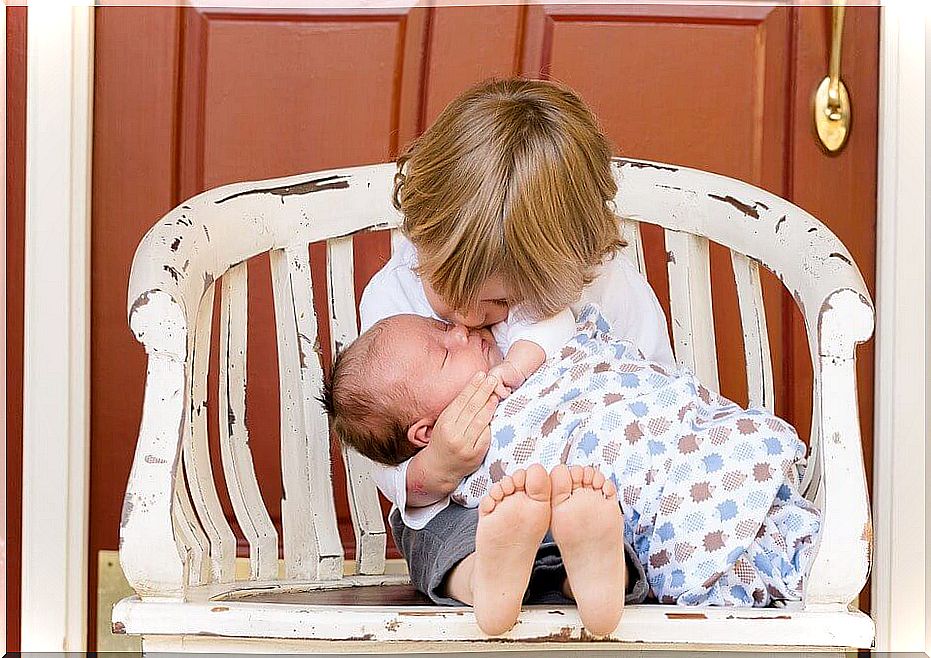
column 457, row 336
column 471, row 318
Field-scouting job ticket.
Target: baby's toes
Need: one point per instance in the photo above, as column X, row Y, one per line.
column 507, row 485
column 486, row 505
column 588, row 474
column 598, row 480
column 496, row 492
column 577, row 473
column 608, row 489
column 519, row 478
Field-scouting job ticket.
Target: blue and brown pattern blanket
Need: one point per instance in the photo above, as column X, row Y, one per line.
column 709, row 491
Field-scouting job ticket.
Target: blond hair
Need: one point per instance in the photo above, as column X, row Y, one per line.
column 512, row 179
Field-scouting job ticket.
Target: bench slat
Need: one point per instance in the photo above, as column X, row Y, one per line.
column 690, row 304
column 630, row 232
column 193, row 542
column 197, row 464
column 367, row 520
column 756, row 338
column 238, row 469
column 312, row 548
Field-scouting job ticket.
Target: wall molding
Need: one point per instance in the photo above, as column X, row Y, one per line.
column 59, row 64
column 899, row 503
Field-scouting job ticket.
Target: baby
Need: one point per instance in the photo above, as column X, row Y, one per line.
column 708, row 490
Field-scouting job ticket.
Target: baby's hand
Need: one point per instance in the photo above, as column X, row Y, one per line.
column 509, row 376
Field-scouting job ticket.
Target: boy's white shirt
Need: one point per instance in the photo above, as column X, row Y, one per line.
column 623, row 294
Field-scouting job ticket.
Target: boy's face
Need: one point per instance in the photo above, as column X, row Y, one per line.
column 438, row 359
column 490, row 308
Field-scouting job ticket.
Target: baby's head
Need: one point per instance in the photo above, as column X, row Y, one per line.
column 388, row 387
column 513, row 180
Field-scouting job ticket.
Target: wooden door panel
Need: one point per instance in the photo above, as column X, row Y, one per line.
column 467, row 45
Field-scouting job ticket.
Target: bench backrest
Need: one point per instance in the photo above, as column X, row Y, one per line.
column 174, row 534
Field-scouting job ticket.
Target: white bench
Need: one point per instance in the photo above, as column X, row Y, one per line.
column 177, row 548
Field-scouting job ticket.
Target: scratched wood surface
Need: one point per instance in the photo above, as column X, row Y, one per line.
column 757, row 629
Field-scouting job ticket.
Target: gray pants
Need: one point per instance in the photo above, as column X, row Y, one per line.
column 449, row 537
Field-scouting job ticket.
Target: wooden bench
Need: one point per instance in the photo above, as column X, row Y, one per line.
column 177, row 548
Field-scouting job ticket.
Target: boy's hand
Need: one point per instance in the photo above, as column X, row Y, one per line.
column 461, row 435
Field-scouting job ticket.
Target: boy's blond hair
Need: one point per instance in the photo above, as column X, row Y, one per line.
column 512, row 179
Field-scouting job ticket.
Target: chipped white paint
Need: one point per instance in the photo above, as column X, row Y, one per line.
column 195, row 644
column 312, row 547
column 197, row 467
column 238, row 469
column 756, row 338
column 193, row 544
column 846, row 539
column 689, row 265
column 198, row 242
column 695, row 627
column 367, row 521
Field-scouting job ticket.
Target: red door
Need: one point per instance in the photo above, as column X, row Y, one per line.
column 188, row 99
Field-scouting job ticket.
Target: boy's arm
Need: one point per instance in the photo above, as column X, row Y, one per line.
column 530, row 345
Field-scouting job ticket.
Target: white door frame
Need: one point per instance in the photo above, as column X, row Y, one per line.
column 56, row 363
column 899, row 478
column 57, row 321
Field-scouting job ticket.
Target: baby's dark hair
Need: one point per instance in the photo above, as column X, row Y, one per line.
column 370, row 420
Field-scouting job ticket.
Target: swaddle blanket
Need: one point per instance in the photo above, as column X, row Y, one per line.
column 708, row 490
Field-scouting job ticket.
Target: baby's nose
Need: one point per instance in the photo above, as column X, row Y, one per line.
column 457, row 336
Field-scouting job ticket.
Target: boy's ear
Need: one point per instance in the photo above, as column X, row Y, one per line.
column 419, row 433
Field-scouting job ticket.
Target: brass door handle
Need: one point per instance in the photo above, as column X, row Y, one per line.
column 832, row 103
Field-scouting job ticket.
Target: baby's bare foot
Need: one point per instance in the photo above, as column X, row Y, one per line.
column 587, row 526
column 513, row 518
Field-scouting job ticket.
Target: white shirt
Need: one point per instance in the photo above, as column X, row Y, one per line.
column 622, row 293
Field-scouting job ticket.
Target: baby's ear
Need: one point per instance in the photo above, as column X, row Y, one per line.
column 419, row 433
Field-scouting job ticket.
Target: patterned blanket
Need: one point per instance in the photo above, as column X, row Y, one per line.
column 709, row 491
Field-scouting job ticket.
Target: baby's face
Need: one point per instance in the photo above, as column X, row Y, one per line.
column 438, row 359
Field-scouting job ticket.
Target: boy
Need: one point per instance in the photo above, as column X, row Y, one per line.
column 507, row 203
